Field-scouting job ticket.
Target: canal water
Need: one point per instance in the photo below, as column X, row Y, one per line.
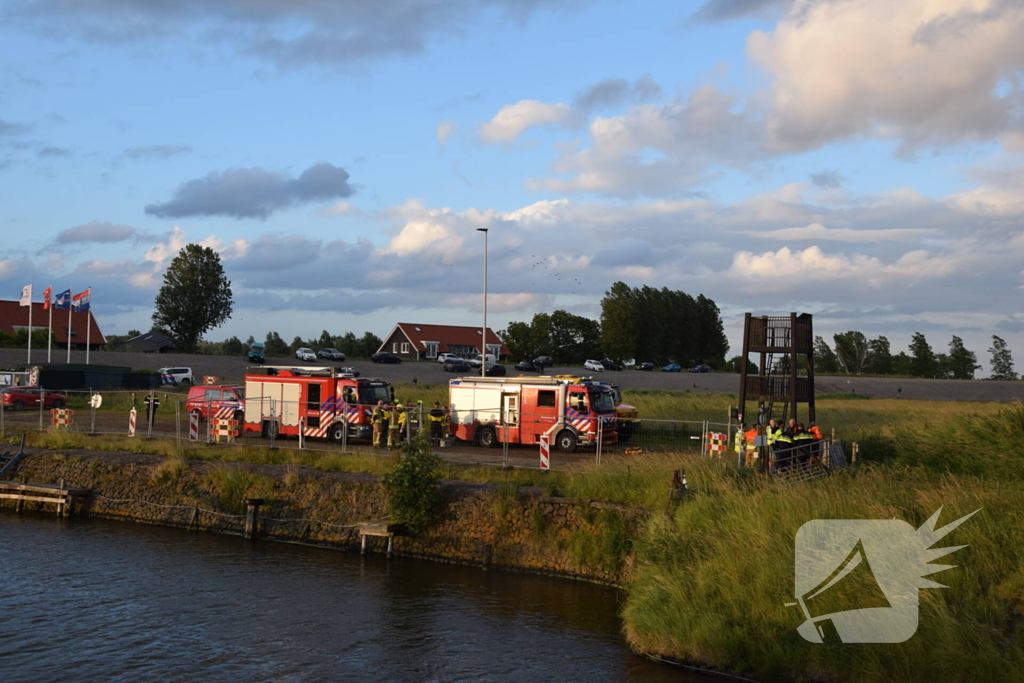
column 91, row 600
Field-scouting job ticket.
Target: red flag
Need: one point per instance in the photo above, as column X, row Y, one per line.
column 46, row 297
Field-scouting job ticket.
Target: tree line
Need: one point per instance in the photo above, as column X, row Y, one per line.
column 274, row 345
column 852, row 353
column 642, row 324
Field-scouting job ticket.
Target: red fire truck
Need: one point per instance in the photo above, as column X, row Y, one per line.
column 493, row 410
column 323, row 402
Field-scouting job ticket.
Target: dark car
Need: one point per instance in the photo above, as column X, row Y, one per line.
column 349, row 371
column 17, row 398
column 495, row 370
column 701, row 368
column 525, row 366
column 611, row 365
column 455, row 365
column 331, row 354
column 645, row 366
column 543, row 362
column 385, row 357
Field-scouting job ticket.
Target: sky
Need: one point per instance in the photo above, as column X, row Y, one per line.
column 859, row 160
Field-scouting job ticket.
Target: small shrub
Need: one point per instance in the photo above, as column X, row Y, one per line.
column 168, row 471
column 413, row 486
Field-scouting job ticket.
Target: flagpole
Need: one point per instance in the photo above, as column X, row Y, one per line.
column 30, row 327
column 88, row 324
column 70, row 308
column 49, row 334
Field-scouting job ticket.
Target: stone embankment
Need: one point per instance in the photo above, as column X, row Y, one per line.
column 480, row 525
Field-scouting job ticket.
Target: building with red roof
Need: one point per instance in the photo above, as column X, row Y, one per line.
column 14, row 317
column 416, row 341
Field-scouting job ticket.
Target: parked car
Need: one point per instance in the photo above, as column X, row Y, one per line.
column 475, row 362
column 17, row 398
column 219, row 401
column 645, row 366
column 594, row 365
column 455, row 364
column 543, row 362
column 611, row 365
column 671, row 367
column 305, row 354
column 385, row 357
column 442, row 357
column 701, row 368
column 526, row 366
column 349, row 371
column 182, row 376
column 257, row 353
column 330, row 354
column 495, row 370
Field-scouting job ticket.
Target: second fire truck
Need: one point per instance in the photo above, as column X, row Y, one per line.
column 322, row 402
column 493, row 410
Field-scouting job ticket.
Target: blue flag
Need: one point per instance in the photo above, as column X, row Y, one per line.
column 63, row 300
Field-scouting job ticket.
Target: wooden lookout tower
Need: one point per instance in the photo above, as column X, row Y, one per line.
column 785, row 374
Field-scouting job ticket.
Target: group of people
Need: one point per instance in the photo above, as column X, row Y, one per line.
column 390, row 420
column 789, row 444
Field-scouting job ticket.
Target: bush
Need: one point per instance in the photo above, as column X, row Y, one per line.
column 412, row 486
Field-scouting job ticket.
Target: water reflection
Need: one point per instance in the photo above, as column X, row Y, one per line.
column 95, row 600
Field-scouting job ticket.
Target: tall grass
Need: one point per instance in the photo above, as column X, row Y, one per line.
column 712, row 581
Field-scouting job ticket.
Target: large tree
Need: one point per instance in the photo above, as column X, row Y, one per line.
column 961, row 363
column 195, row 296
column 825, row 361
column 923, row 362
column 1002, row 361
column 852, row 350
column 880, row 359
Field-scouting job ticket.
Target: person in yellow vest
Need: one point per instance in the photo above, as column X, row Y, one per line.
column 377, row 420
column 782, row 455
column 803, row 439
column 750, row 453
column 393, row 418
column 740, row 440
column 403, row 418
column 436, row 417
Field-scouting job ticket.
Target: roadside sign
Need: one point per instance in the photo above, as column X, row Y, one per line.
column 545, row 452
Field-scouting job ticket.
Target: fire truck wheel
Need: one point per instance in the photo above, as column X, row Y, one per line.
column 337, row 433
column 487, row 438
column 17, row 405
column 566, row 441
column 240, row 416
column 58, row 404
column 269, row 428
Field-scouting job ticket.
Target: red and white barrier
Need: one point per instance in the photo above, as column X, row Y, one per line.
column 131, row 422
column 193, row 427
column 545, row 452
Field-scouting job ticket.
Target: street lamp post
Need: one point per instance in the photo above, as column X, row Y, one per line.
column 483, row 331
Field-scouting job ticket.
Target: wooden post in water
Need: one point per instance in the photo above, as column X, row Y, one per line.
column 252, row 516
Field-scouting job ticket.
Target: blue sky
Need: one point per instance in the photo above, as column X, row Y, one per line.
column 857, row 160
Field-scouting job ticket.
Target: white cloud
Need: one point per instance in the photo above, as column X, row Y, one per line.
column 817, row 231
column 342, row 208
column 445, row 129
column 922, row 71
column 512, row 119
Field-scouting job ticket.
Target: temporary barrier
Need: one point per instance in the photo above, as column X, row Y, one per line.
column 61, row 418
column 717, row 443
column 131, row 422
column 210, row 379
column 226, row 430
column 193, row 427
column 545, row 452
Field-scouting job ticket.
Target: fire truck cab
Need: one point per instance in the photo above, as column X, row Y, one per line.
column 322, row 402
column 493, row 410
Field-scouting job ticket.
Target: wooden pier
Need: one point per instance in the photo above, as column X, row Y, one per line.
column 65, row 498
column 381, row 528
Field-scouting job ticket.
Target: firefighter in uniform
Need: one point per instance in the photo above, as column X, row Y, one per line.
column 805, row 441
column 436, row 417
column 740, row 441
column 750, row 453
column 783, row 444
column 377, row 418
column 446, row 425
column 393, row 419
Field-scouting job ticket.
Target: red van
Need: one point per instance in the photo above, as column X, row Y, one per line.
column 218, row 401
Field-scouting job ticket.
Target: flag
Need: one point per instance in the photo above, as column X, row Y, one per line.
column 81, row 300
column 63, row 300
column 26, row 295
column 46, row 297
